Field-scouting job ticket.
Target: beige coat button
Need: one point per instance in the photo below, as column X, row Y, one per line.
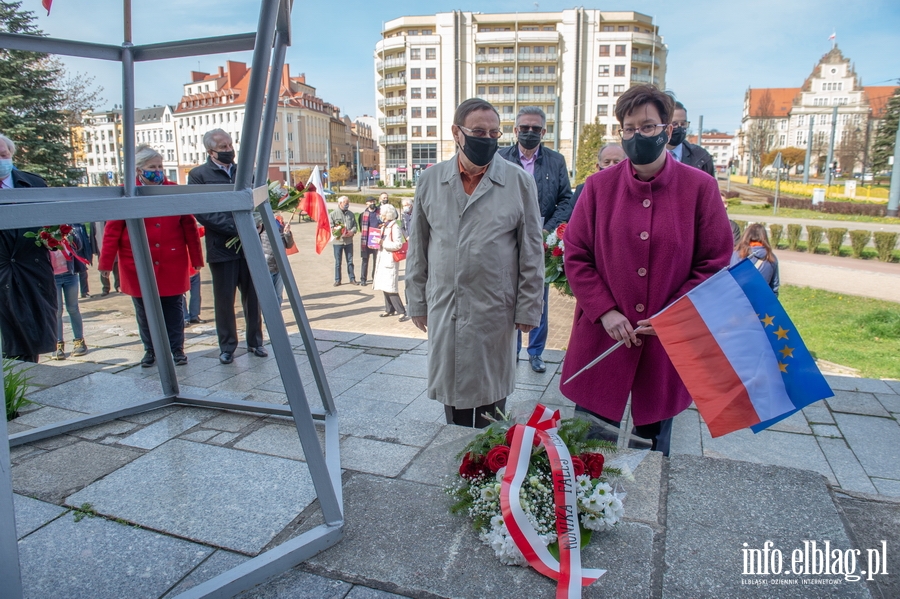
column 642, row 272
column 639, row 307
column 645, row 235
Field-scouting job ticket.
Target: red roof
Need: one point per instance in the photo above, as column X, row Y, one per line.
column 779, row 100
column 878, row 97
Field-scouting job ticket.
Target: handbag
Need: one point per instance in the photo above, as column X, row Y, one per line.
column 399, row 255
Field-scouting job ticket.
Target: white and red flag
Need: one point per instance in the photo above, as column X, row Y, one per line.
column 313, row 203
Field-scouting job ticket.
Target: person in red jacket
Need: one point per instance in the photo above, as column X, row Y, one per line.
column 174, row 248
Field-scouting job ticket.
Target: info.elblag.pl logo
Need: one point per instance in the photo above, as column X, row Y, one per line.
column 812, row 561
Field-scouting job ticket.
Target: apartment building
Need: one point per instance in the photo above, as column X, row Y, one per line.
column 719, row 146
column 101, row 134
column 573, row 64
column 155, row 127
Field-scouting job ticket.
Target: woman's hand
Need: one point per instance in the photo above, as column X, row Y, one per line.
column 645, row 328
column 618, row 327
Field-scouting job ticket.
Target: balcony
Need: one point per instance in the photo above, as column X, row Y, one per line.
column 541, row 57
column 496, row 78
column 391, row 139
column 398, row 101
column 645, row 59
column 392, row 82
column 533, row 98
column 628, row 36
column 390, row 43
column 390, row 63
column 551, row 77
column 392, row 120
column 636, row 78
column 498, row 98
column 508, row 117
column 482, row 58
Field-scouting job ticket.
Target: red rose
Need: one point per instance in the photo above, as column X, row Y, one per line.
column 65, row 229
column 546, row 246
column 497, row 457
column 577, row 466
column 561, row 230
column 594, row 463
column 557, row 251
column 52, row 243
column 470, row 468
column 45, row 235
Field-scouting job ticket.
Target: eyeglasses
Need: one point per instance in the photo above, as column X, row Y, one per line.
column 532, row 128
column 646, row 130
column 684, row 124
column 493, row 133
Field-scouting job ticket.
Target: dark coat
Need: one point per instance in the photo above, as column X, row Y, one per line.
column 697, row 157
column 552, row 179
column 27, row 288
column 220, row 226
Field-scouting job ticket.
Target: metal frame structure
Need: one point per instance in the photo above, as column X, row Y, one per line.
column 21, row 208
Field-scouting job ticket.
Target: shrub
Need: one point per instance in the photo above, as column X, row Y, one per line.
column 858, row 242
column 793, row 236
column 380, row 183
column 814, row 237
column 832, row 207
column 15, row 384
column 835, row 239
column 732, row 194
column 775, row 233
column 742, row 224
column 885, row 242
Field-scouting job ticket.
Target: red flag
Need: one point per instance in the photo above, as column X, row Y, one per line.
column 313, row 204
column 46, row 4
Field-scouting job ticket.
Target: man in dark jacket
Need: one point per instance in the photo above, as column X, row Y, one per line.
column 554, row 199
column 27, row 287
column 368, row 221
column 227, row 266
column 683, row 151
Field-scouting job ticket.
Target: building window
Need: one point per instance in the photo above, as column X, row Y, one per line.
column 431, row 73
column 415, row 54
column 608, row 28
column 431, row 112
column 524, row 89
column 781, row 141
column 620, row 70
column 799, row 138
column 415, row 73
column 602, row 90
column 277, row 137
column 494, row 89
column 415, row 112
column 538, row 49
column 618, row 90
column 423, row 154
column 603, row 70
column 430, row 93
column 800, row 120
column 481, row 91
column 430, row 53
column 603, row 110
column 604, row 50
column 415, row 93
column 277, row 154
column 623, row 28
column 431, row 131
column 620, row 49
column 508, row 89
column 416, row 131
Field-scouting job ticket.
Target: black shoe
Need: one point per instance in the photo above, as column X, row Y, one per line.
column 180, row 358
column 226, row 357
column 85, row 296
column 336, row 283
column 148, row 360
column 362, row 283
column 537, row 364
column 104, row 293
column 258, row 351
column 403, row 318
column 197, row 320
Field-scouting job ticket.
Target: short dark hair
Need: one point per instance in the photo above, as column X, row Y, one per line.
column 470, row 106
column 639, row 95
column 679, row 106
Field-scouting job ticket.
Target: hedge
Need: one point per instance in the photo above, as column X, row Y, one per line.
column 885, row 242
column 831, row 207
column 835, row 240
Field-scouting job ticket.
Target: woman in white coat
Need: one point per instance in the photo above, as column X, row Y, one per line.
column 386, row 270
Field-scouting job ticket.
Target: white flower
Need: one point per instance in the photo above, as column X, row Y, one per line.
column 500, row 474
column 552, row 238
column 562, row 245
column 488, row 493
column 497, row 521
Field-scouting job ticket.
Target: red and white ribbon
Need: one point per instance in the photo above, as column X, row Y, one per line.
column 567, row 571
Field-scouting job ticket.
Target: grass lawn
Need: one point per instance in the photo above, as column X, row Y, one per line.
column 759, row 212
column 852, row 331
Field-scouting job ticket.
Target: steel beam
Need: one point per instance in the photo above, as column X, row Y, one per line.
column 48, row 45
column 197, row 47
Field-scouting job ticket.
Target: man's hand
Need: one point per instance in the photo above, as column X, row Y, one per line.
column 525, row 328
column 347, row 233
column 618, row 327
column 421, row 323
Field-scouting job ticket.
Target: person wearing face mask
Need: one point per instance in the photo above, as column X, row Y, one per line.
column 27, row 285
column 643, row 233
column 683, row 151
column 554, row 198
column 383, row 198
column 174, row 247
column 474, row 268
column 609, row 155
column 406, row 216
column 227, row 265
column 369, row 221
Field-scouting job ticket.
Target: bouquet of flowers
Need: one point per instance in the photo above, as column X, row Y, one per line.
column 56, row 238
column 554, row 250
column 337, row 230
column 284, row 198
column 484, row 464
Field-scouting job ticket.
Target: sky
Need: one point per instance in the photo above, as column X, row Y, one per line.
column 717, row 50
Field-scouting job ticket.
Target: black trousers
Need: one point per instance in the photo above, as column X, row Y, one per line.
column 227, row 278
column 365, row 254
column 474, row 417
column 173, row 314
column 393, row 303
column 658, row 433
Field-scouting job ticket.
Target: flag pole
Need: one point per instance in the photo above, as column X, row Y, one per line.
column 596, row 360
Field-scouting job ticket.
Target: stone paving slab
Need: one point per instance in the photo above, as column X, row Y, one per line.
column 795, row 423
column 386, row 342
column 246, row 498
column 818, row 413
column 888, row 487
column 382, row 387
column 850, row 475
column 53, row 475
column 872, row 523
column 438, row 462
column 279, row 440
column 99, row 392
column 162, row 430
column 424, row 409
column 375, row 457
column 407, row 365
column 46, row 415
column 220, row 561
column 99, row 559
column 360, row 367
column 846, row 383
column 686, row 436
column 399, row 536
column 874, row 441
column 296, row 584
column 890, row 402
column 852, row 402
column 31, row 514
column 714, row 507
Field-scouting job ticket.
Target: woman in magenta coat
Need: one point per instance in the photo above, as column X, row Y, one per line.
column 174, row 247
column 644, row 233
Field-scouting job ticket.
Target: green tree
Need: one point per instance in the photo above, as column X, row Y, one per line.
column 887, row 133
column 589, row 143
column 30, row 103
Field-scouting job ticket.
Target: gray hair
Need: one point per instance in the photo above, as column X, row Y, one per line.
column 532, row 110
column 407, row 201
column 343, row 199
column 208, row 142
column 388, row 212
column 10, row 144
column 144, row 154
column 606, row 147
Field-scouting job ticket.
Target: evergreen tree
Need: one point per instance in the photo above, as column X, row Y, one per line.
column 589, row 143
column 30, row 101
column 887, row 134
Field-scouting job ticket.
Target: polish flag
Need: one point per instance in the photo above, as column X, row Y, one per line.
column 46, row 4
column 313, row 204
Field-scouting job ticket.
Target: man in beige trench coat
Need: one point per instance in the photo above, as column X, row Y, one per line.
column 475, row 268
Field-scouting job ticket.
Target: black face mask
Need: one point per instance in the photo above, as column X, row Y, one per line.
column 225, row 157
column 529, row 140
column 644, row 150
column 480, row 150
column 678, row 134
